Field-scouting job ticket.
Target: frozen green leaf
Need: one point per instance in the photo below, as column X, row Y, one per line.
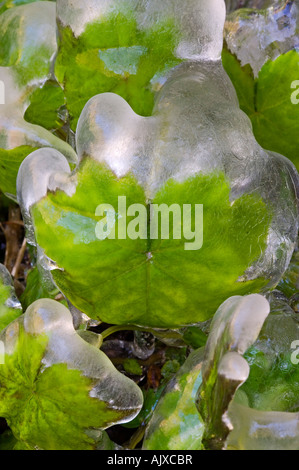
column 26, row 62
column 55, row 387
column 116, row 55
column 267, row 100
column 115, row 281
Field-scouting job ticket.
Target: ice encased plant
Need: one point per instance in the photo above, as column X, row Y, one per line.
column 197, row 147
column 57, row 391
column 261, row 56
column 28, row 48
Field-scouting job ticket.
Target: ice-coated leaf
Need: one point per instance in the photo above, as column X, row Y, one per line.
column 256, row 36
column 115, row 281
column 235, row 327
column 264, row 413
column 129, row 47
column 10, row 307
column 26, row 61
column 274, row 374
column 176, row 423
column 262, row 60
column 55, row 387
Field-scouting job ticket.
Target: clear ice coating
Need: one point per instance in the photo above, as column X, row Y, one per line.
column 198, row 23
column 258, row 36
column 45, row 170
column 265, row 414
column 235, row 327
column 25, row 64
column 65, row 346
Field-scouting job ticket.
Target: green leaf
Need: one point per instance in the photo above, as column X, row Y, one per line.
column 131, row 366
column 45, row 107
column 267, row 101
column 10, row 161
column 10, row 308
column 195, row 337
column 176, row 423
column 116, row 281
column 35, row 289
column 49, row 399
column 48, row 409
column 115, row 55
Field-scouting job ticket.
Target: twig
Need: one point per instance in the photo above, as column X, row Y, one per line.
column 19, row 259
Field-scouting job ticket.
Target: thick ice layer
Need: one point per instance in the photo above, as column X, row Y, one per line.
column 235, row 326
column 260, row 430
column 199, row 22
column 262, row 416
column 46, row 169
column 30, row 35
column 65, row 346
column 258, row 36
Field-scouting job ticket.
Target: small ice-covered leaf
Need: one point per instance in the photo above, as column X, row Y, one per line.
column 129, row 47
column 274, row 374
column 235, row 327
column 262, row 59
column 26, row 62
column 176, row 423
column 256, row 36
column 265, row 411
column 10, row 307
column 52, row 377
